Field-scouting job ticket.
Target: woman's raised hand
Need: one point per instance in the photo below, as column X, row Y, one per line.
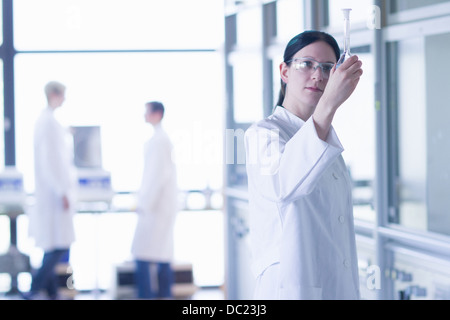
column 343, row 81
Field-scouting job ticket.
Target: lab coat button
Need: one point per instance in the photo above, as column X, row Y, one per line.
column 341, row 219
column 346, row 263
column 335, row 176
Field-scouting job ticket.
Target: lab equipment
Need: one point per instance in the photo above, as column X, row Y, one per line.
column 87, row 146
column 346, row 54
column 12, row 194
column 94, row 183
column 124, row 281
column 12, row 204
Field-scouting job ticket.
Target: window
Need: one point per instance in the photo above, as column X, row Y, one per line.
column 113, row 56
column 248, row 103
column 423, row 150
column 109, row 90
column 116, row 24
column 249, row 28
column 289, row 19
column 361, row 11
column 355, row 125
column 1, row 23
column 3, row 125
column 402, row 5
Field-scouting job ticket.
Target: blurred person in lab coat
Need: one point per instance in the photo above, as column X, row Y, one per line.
column 301, row 214
column 152, row 245
column 51, row 221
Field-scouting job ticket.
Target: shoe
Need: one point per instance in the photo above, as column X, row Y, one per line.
column 32, row 296
column 28, row 295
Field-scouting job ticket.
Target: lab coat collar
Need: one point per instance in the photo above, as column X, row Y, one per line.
column 286, row 115
column 157, row 127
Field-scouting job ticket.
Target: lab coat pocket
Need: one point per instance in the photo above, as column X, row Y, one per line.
column 296, row 292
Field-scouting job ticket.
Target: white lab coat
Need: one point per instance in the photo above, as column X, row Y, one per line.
column 49, row 224
column 301, row 217
column 156, row 202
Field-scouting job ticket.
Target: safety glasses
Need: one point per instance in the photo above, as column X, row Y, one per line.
column 310, row 66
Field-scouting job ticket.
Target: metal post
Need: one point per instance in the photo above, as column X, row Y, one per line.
column 382, row 163
column 8, row 52
column 269, row 33
column 230, row 249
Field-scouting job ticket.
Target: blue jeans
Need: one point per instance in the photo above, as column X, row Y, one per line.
column 45, row 277
column 153, row 279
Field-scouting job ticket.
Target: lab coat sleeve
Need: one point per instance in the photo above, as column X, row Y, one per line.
column 52, row 151
column 284, row 169
column 153, row 176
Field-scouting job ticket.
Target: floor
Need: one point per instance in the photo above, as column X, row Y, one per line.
column 103, row 243
column 201, row 294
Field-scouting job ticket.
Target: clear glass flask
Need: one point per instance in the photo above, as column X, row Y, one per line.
column 346, row 54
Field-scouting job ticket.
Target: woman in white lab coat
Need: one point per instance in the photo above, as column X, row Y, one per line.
column 51, row 220
column 152, row 245
column 301, row 219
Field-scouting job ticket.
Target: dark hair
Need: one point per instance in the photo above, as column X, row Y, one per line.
column 299, row 42
column 156, row 106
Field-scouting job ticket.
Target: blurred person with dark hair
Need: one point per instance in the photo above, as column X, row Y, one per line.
column 152, row 246
column 300, row 193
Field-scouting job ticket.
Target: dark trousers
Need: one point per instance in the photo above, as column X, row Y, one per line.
column 45, row 277
column 153, row 279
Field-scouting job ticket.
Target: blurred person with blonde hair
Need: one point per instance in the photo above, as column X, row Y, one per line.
column 51, row 221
